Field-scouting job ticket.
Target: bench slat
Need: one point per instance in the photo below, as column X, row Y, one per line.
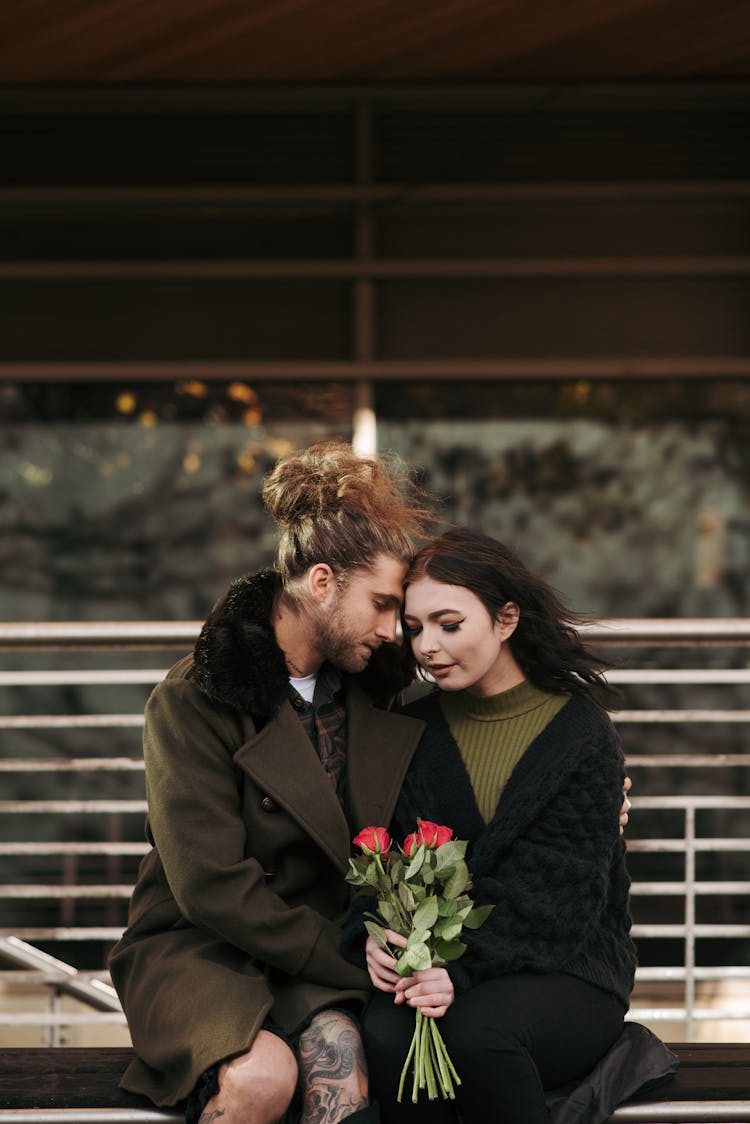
column 74, row 1085
column 65, row 1078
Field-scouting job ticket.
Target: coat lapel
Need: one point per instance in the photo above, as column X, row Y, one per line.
column 380, row 747
column 283, row 762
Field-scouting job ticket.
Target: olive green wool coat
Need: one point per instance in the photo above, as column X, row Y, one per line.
column 237, row 910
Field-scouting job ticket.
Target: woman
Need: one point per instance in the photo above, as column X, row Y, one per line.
column 520, row 759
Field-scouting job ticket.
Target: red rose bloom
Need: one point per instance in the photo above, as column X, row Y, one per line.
column 433, row 834
column 373, row 840
column 411, row 843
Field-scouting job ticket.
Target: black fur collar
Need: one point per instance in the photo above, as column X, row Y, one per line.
column 237, row 661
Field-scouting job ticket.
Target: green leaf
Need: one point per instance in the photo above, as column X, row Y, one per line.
column 450, row 853
column 388, row 913
column 418, row 936
column 457, row 883
column 478, row 916
column 406, row 896
column 447, row 907
column 449, row 928
column 426, row 913
column 372, row 875
column 377, row 932
column 416, row 863
column 428, row 875
column 418, row 958
column 395, row 868
column 357, row 870
column 450, row 950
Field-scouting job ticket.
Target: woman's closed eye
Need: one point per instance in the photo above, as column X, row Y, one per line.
column 415, row 629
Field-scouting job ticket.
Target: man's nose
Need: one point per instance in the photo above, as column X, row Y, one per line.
column 387, row 626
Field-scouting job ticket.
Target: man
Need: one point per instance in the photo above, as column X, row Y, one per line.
column 264, row 754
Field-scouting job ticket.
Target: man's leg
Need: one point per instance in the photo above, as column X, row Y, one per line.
column 333, row 1071
column 256, row 1087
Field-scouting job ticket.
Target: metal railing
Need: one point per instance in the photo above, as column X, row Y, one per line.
column 118, row 814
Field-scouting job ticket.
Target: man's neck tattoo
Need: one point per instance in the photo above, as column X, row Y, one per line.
column 294, row 667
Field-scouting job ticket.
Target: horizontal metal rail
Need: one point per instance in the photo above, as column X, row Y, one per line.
column 122, row 677
column 95, row 992
column 654, row 632
column 69, row 721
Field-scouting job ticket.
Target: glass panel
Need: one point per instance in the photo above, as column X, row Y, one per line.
column 630, row 497
column 143, row 501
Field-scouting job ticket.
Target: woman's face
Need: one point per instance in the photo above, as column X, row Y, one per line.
column 454, row 638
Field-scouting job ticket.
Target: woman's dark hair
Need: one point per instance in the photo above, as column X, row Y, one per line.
column 545, row 642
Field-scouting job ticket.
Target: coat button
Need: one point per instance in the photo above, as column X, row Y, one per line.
column 298, row 703
column 267, row 804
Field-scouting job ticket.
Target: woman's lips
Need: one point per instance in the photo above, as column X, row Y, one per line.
column 439, row 669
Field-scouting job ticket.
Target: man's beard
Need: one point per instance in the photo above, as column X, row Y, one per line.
column 341, row 648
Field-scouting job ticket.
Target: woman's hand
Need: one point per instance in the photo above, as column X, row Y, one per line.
column 625, row 803
column 430, row 990
column 380, row 964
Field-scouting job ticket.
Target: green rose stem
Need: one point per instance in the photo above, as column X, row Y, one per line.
column 405, row 1070
column 428, row 1053
column 403, row 923
column 448, row 1073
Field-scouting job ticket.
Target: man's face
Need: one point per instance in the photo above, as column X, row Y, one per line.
column 363, row 615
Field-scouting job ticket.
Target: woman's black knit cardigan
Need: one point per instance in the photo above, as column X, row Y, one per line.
column 551, row 860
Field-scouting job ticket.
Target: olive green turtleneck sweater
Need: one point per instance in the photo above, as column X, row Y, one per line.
column 494, row 732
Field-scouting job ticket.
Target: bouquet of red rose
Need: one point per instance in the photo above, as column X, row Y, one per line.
column 422, row 890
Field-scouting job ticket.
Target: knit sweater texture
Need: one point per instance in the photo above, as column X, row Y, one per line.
column 551, row 860
column 493, row 732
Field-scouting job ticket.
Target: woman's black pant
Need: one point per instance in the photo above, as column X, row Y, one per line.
column 509, row 1039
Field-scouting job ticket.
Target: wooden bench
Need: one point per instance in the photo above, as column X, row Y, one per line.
column 79, row 1086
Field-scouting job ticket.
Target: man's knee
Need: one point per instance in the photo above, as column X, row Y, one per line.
column 332, row 1034
column 332, row 1063
column 264, row 1078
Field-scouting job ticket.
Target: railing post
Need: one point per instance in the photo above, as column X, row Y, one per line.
column 689, row 921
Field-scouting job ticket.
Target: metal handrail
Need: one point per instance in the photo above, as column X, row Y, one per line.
column 618, row 631
column 179, row 636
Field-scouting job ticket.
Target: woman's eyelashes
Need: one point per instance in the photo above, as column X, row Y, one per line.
column 415, row 629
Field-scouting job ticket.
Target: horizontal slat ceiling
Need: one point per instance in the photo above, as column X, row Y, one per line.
column 515, row 231
column 292, row 41
column 63, row 145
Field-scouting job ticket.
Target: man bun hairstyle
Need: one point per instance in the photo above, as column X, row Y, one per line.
column 332, row 505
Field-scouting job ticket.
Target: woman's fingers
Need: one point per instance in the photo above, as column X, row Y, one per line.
column 432, row 991
column 381, row 966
